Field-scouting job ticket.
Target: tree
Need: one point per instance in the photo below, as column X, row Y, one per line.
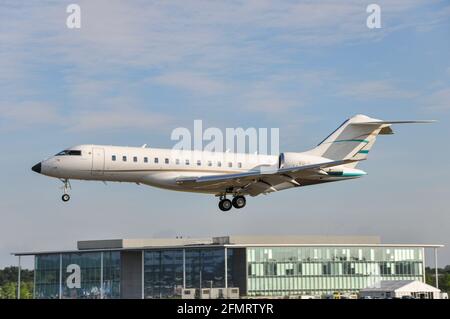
column 8, row 283
column 26, row 290
column 443, row 277
column 8, row 291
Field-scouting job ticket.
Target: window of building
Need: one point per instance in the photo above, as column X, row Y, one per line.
column 199, row 163
column 145, row 159
column 219, row 164
column 177, row 161
column 113, row 158
column 326, row 268
column 124, row 158
column 230, row 164
column 135, row 159
column 156, row 160
column 239, row 165
column 289, row 271
column 166, row 161
column 209, row 163
column 270, row 269
column 187, row 162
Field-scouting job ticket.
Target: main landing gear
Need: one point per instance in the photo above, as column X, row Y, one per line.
column 238, row 202
column 65, row 197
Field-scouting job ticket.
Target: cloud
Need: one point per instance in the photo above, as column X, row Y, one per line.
column 265, row 100
column 114, row 114
column 376, row 89
column 29, row 113
column 125, row 118
column 438, row 100
column 202, row 47
column 193, row 82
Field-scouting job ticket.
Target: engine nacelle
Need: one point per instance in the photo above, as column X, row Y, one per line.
column 294, row 159
column 287, row 160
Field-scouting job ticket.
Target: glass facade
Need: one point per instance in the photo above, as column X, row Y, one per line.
column 164, row 276
column 280, row 271
column 46, row 276
column 256, row 271
column 78, row 275
column 163, row 273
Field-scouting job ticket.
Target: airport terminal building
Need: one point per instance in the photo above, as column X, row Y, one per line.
column 251, row 266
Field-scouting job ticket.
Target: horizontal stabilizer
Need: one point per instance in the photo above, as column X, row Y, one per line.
column 392, row 122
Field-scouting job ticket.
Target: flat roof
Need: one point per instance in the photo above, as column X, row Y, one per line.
column 227, row 241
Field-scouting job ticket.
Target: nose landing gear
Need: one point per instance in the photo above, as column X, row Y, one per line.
column 65, row 197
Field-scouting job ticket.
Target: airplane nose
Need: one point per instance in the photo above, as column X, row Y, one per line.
column 37, row 168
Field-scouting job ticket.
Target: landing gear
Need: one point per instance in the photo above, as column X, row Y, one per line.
column 239, row 201
column 65, row 197
column 225, row 204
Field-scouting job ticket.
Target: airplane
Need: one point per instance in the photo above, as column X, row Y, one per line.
column 222, row 174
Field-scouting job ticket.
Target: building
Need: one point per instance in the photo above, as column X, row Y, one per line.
column 401, row 289
column 256, row 265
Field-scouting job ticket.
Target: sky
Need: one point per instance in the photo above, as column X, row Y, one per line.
column 136, row 70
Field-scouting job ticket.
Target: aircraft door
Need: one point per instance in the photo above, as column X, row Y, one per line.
column 98, row 161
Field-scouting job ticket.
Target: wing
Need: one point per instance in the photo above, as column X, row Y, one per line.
column 255, row 182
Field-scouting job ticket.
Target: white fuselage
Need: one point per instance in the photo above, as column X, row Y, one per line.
column 162, row 167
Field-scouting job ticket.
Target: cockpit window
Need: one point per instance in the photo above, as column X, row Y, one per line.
column 69, row 152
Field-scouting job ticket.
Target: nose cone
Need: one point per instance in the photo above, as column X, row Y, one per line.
column 37, row 168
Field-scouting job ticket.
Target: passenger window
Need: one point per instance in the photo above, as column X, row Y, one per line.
column 145, row 159
column 177, row 161
column 156, row 160
column 166, row 161
column 199, row 163
column 240, row 165
column 124, row 158
column 135, row 159
column 113, row 158
column 187, row 162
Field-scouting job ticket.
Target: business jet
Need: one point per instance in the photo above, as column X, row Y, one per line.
column 222, row 174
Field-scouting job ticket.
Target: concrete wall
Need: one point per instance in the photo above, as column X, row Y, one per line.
column 131, row 274
column 239, row 269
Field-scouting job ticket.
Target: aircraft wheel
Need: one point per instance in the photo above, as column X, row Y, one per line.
column 65, row 197
column 225, row 205
column 239, row 202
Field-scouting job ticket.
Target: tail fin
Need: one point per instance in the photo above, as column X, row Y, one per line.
column 354, row 138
